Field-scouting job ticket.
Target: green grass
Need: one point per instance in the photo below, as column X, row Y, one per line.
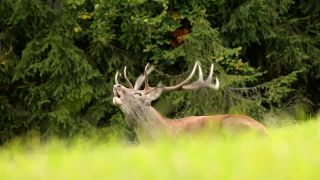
column 287, row 153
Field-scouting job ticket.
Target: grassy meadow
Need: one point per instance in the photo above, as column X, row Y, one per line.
column 291, row 152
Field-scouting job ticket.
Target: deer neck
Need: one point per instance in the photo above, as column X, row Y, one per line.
column 147, row 121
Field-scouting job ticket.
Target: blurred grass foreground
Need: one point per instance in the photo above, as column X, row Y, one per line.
column 291, row 152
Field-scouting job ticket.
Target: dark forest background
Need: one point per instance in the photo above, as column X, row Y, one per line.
column 58, row 59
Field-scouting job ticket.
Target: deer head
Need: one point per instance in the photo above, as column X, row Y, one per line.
column 136, row 103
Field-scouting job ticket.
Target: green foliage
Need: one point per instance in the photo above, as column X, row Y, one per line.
column 58, row 58
column 279, row 88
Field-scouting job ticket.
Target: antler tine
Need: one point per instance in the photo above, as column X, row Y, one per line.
column 211, row 72
column 170, row 88
column 209, row 79
column 146, row 83
column 216, row 85
column 116, row 77
column 126, row 78
column 200, row 83
column 200, row 73
column 140, row 79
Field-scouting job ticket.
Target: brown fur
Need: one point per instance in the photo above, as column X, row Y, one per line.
column 232, row 123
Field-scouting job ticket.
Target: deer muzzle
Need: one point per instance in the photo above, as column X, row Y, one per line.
column 117, row 95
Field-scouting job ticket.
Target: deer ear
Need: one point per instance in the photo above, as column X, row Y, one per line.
column 155, row 93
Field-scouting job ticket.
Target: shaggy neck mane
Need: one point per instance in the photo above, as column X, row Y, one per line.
column 147, row 119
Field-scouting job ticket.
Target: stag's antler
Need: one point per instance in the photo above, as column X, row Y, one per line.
column 126, row 78
column 200, row 83
column 141, row 78
column 116, row 77
column 171, row 88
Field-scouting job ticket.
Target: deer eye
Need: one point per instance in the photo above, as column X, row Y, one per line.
column 137, row 93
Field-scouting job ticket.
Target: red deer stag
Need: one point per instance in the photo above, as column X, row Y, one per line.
column 136, row 105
